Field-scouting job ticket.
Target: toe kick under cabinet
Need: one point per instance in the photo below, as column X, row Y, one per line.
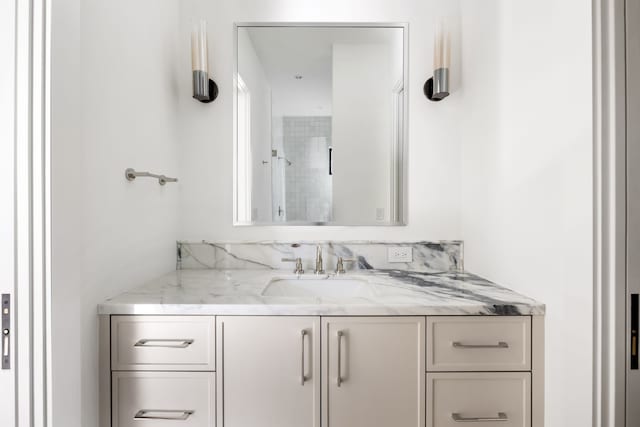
column 329, row 371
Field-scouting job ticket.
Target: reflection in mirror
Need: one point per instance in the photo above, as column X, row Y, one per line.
column 320, row 124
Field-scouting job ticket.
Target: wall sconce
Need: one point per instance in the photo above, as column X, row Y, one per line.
column 437, row 87
column 204, row 89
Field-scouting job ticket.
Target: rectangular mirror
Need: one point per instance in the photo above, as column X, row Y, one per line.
column 320, row 124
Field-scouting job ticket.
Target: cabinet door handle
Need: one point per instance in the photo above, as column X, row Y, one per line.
column 303, row 376
column 163, row 414
column 501, row 344
column 340, row 379
column 460, row 419
column 165, row 343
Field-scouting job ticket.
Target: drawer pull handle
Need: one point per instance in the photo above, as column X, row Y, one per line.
column 460, row 419
column 500, row 344
column 163, row 414
column 165, row 343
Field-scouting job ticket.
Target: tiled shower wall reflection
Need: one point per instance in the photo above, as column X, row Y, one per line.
column 308, row 192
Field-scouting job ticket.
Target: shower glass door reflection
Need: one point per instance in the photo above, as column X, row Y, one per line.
column 301, row 173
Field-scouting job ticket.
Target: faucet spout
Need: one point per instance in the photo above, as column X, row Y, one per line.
column 319, row 266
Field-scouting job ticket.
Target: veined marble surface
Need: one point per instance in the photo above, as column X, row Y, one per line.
column 431, row 257
column 390, row 292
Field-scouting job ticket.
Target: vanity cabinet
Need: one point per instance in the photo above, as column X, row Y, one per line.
column 269, row 371
column 322, row 371
column 373, row 371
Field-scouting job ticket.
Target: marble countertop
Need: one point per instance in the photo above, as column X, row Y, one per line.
column 389, row 292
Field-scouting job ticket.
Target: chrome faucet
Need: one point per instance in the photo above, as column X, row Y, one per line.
column 319, row 268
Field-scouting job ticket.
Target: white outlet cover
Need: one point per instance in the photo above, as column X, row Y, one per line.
column 400, row 254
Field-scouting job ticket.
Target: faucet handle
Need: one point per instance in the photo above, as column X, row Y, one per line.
column 298, row 262
column 340, row 266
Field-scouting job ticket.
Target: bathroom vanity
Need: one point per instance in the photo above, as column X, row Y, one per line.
column 264, row 347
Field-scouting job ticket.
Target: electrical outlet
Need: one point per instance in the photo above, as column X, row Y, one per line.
column 400, row 254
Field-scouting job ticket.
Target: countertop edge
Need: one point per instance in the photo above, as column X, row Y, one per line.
column 316, row 310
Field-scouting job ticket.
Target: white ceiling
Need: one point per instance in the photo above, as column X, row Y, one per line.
column 307, row 51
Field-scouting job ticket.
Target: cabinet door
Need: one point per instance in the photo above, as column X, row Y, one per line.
column 373, row 371
column 270, row 371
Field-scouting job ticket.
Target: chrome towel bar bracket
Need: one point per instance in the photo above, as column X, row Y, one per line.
column 132, row 174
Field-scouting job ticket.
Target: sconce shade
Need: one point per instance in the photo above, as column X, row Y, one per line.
column 204, row 89
column 437, row 87
column 442, row 47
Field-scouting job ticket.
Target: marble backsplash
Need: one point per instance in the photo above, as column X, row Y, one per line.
column 431, row 257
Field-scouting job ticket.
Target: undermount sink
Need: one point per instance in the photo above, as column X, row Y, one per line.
column 323, row 286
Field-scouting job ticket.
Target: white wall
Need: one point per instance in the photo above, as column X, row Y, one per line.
column 115, row 105
column 434, row 175
column 527, row 174
column 67, row 152
column 252, row 73
column 361, row 132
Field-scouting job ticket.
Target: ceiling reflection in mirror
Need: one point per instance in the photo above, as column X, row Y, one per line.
column 320, row 127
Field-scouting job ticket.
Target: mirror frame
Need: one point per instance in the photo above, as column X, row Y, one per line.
column 403, row 153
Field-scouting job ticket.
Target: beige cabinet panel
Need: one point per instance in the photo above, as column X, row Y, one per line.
column 270, row 371
column 163, row 343
column 149, row 399
column 477, row 343
column 491, row 399
column 373, row 371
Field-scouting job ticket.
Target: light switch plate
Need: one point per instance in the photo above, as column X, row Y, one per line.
column 400, row 254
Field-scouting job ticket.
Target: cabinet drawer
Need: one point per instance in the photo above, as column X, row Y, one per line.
column 491, row 399
column 163, row 343
column 163, row 398
column 470, row 343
